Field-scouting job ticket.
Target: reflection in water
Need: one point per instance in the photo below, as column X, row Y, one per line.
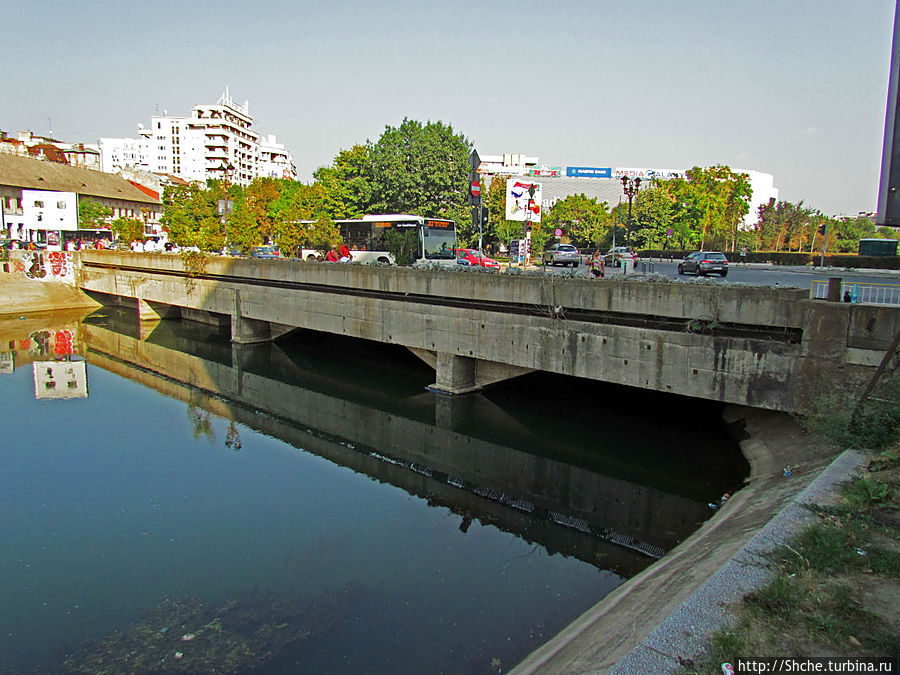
column 515, row 475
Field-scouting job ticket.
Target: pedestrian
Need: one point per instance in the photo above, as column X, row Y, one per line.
column 331, row 256
column 345, row 254
column 744, row 255
column 597, row 265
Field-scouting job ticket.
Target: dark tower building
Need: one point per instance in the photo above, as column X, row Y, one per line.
column 889, row 189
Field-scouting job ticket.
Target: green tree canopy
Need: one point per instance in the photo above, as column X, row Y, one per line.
column 347, row 183
column 422, row 169
column 583, row 221
column 92, row 215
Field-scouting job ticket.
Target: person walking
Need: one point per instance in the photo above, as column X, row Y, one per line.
column 744, row 255
column 597, row 265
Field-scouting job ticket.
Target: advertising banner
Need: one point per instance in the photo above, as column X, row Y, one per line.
column 546, row 172
column 523, row 200
column 589, row 172
column 649, row 174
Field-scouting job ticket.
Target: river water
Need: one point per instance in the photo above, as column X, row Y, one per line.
column 172, row 503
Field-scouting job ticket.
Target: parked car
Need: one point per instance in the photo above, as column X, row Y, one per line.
column 704, row 262
column 265, row 251
column 561, row 254
column 617, row 254
column 472, row 257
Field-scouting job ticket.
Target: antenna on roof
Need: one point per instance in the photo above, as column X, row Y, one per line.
column 50, row 127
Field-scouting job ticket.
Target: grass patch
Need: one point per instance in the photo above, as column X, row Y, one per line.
column 819, row 600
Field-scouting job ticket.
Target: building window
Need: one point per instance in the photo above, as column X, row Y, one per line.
column 39, row 205
column 60, row 205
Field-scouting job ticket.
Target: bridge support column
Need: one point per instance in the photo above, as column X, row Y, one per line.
column 247, row 331
column 463, row 374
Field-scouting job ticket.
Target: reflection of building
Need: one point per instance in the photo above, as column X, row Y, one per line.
column 60, row 379
column 7, row 362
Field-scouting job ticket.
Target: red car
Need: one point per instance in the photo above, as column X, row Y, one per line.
column 474, row 258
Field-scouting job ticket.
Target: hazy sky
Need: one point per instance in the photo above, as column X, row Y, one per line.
column 795, row 88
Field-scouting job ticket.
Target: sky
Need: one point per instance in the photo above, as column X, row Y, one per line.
column 794, row 88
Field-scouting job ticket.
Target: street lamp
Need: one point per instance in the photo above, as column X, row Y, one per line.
column 630, row 186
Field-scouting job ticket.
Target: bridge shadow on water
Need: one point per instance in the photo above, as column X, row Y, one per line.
column 612, row 476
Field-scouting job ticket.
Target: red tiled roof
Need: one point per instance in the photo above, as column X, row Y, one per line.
column 147, row 191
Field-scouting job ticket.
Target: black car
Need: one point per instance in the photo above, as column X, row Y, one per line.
column 704, row 262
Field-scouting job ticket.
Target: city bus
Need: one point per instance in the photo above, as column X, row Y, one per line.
column 400, row 239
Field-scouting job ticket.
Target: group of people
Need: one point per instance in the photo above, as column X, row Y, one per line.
column 342, row 255
column 79, row 244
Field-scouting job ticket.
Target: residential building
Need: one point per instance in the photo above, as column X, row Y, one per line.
column 217, row 141
column 40, row 199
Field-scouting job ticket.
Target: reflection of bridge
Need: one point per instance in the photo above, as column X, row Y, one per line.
column 762, row 347
column 613, row 523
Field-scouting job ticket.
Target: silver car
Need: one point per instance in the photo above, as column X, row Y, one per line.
column 561, row 254
column 704, row 262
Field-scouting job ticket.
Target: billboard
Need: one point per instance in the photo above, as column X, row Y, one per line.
column 546, row 171
column 589, row 172
column 523, row 200
column 649, row 174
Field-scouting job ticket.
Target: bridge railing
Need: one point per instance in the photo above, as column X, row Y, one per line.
column 851, row 291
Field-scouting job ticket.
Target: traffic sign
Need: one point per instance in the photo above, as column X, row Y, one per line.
column 558, row 233
column 475, row 188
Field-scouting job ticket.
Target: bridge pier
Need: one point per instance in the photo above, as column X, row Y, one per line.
column 457, row 374
column 247, row 331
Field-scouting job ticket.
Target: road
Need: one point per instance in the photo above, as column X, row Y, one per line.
column 756, row 274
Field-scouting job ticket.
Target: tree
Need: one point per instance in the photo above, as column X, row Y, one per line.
column 128, row 229
column 92, row 215
column 422, row 169
column 347, row 183
column 243, row 230
column 259, row 196
column 653, row 215
column 190, row 216
column 582, row 220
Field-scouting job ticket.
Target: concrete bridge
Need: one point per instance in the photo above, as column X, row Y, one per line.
column 770, row 348
column 421, row 445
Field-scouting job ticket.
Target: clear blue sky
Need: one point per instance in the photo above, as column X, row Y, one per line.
column 795, row 88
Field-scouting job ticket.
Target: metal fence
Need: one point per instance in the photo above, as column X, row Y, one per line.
column 870, row 294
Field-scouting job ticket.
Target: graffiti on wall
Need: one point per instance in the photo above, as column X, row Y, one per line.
column 42, row 265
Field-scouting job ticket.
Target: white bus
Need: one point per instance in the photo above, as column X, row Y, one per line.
column 417, row 240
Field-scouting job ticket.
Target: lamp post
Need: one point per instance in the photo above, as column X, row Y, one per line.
column 630, row 186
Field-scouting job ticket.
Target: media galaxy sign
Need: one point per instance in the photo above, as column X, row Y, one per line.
column 648, row 174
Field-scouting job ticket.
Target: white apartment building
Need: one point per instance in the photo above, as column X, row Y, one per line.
column 216, row 141
column 274, row 160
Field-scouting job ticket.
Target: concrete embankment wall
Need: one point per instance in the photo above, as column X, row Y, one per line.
column 39, row 281
column 599, row 640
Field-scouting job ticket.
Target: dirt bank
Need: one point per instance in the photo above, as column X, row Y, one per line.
column 20, row 296
column 608, row 631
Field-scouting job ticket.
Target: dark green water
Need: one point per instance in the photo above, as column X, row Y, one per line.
column 310, row 507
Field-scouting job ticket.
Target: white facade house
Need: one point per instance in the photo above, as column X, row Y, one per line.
column 50, row 211
column 216, row 141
